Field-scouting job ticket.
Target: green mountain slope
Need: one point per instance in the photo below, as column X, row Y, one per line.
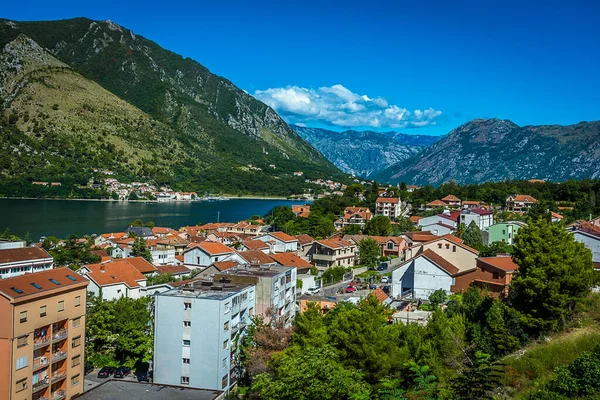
column 214, row 128
column 494, row 150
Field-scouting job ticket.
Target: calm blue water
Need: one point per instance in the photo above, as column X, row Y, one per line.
column 63, row 217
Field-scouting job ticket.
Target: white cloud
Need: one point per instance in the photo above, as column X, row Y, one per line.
column 336, row 105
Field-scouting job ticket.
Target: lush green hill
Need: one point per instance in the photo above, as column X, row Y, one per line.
column 186, row 127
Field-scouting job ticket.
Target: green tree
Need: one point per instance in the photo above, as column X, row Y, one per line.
column 403, row 224
column 352, row 229
column 140, row 249
column 473, row 236
column 379, row 225
column 160, row 279
column 478, row 380
column 438, row 297
column 149, row 224
column 137, row 222
column 495, row 248
column 555, row 274
column 28, row 238
column 369, row 252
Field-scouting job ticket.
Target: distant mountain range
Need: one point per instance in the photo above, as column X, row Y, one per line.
column 365, row 153
column 78, row 94
column 493, row 150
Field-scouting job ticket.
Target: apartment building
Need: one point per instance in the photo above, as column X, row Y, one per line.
column 275, row 289
column 334, row 253
column 197, row 327
column 388, row 206
column 19, row 261
column 42, row 335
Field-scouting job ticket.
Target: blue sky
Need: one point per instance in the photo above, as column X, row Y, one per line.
column 418, row 67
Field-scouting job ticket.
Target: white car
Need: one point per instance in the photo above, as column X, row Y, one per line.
column 386, row 279
column 312, row 290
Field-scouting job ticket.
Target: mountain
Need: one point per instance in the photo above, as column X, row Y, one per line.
column 493, row 150
column 207, row 130
column 364, row 153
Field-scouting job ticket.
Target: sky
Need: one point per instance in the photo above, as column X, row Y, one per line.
column 414, row 67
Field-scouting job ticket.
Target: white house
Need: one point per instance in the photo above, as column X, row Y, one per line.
column 19, row 261
column 280, row 242
column 388, row 206
column 201, row 255
column 450, row 248
column 114, row 279
column 440, row 224
column 422, row 275
column 482, row 218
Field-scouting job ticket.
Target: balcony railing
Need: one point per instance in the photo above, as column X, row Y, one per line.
column 40, row 362
column 57, row 376
column 36, row 387
column 59, row 395
column 42, row 398
column 324, row 257
column 41, row 342
column 237, row 327
column 60, row 335
column 59, row 355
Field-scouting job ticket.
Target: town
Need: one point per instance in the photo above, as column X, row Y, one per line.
column 197, row 291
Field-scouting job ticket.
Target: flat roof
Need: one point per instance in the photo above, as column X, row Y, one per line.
column 128, row 390
column 207, row 290
column 242, row 270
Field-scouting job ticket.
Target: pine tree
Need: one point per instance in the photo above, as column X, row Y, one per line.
column 473, row 236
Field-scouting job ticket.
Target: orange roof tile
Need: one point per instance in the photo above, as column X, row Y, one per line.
column 335, row 243
column 23, row 254
column 179, row 258
column 450, row 197
column 21, row 286
column 415, row 219
column 140, row 264
column 304, row 239
column 211, row 248
column 380, row 295
column 424, row 236
column 440, row 261
column 556, row 215
column 225, row 265
column 523, row 198
column 115, row 271
column 436, row 203
column 504, row 263
column 290, row 260
column 256, row 257
column 394, row 200
column 116, row 235
column 284, row 237
column 172, row 269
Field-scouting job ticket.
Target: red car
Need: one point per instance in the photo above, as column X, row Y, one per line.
column 350, row 289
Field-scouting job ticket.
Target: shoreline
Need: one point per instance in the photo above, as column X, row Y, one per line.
column 156, row 201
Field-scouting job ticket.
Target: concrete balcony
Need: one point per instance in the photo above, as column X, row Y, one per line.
column 36, row 387
column 59, row 355
column 58, row 376
column 60, row 335
column 59, row 395
column 39, row 343
column 40, row 362
column 324, row 257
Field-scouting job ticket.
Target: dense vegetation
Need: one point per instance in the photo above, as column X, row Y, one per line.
column 352, row 352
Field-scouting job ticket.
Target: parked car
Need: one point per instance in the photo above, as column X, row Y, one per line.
column 122, row 372
column 106, row 372
column 88, row 368
column 382, row 267
column 386, row 279
column 312, row 290
column 144, row 376
column 350, row 289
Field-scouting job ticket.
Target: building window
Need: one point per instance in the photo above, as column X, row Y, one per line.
column 75, row 380
column 447, row 246
column 185, row 380
column 224, row 382
column 42, row 311
column 226, row 326
column 22, row 362
column 77, row 301
column 454, row 249
column 251, row 311
column 187, row 324
column 23, row 316
column 495, row 275
column 227, row 307
column 21, row 385
column 75, row 361
column 187, row 342
column 503, row 232
column 439, row 245
column 76, row 342
column 225, row 362
column 76, row 322
column 187, row 306
column 225, row 344
column 186, row 360
column 61, row 305
column 22, row 341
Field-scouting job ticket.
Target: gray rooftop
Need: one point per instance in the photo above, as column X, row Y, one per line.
column 244, row 270
column 131, row 390
column 207, row 290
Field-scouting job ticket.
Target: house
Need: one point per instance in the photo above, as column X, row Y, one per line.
column 435, row 204
column 114, row 279
column 254, row 245
column 390, row 245
column 109, row 237
column 354, row 216
column 254, row 258
column 471, row 204
column 302, row 211
column 201, row 255
column 275, row 290
column 482, row 218
column 140, row 231
column 141, row 265
column 215, row 268
column 42, row 335
column 158, row 231
column 19, row 261
column 292, row 260
column 556, row 217
column 162, row 252
column 381, row 296
column 415, row 219
column 492, row 273
column 390, row 207
column 451, row 200
column 177, row 271
column 334, row 253
column 280, row 242
column 520, row 202
column 440, row 224
column 196, row 329
column 306, row 246
column 414, row 238
column 588, row 234
column 412, row 188
column 504, row 231
column 450, row 248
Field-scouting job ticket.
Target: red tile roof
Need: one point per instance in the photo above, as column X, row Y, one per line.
column 304, row 239
column 523, row 198
column 116, row 271
column 471, row 203
column 556, row 215
column 380, row 295
column 23, row 254
column 481, row 211
column 450, row 197
column 255, row 257
column 415, row 219
column 440, row 261
column 284, row 237
column 255, row 244
column 290, row 260
column 157, row 230
column 116, row 235
column 211, row 248
column 173, row 269
column 453, row 216
column 24, row 282
column 335, row 243
column 225, row 265
column 394, row 200
column 436, row 203
column 140, row 264
column 504, row 263
column 424, row 236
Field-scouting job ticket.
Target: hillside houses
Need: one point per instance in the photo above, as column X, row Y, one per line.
column 334, row 253
column 353, row 216
column 519, row 202
column 391, row 207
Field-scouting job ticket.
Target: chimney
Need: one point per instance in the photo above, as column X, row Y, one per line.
column 102, row 268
